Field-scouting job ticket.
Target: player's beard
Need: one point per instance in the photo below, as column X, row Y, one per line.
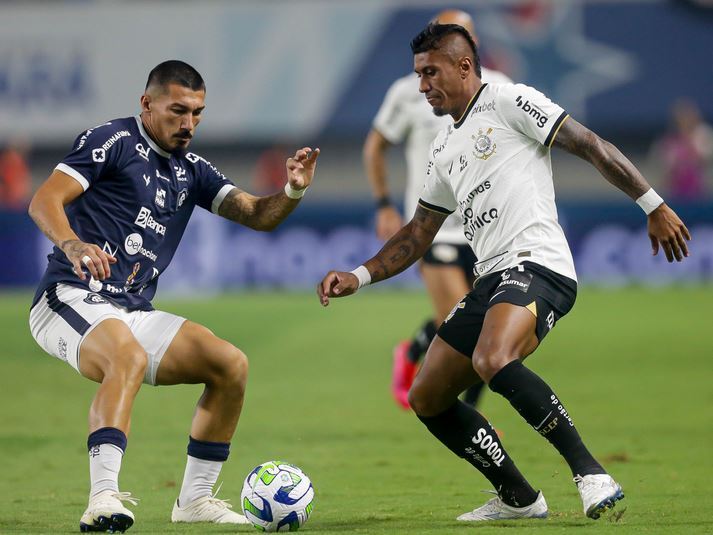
column 439, row 112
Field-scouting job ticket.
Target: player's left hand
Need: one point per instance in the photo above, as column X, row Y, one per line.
column 667, row 230
column 300, row 168
column 336, row 284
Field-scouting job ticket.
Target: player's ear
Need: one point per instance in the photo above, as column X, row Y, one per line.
column 465, row 67
column 145, row 102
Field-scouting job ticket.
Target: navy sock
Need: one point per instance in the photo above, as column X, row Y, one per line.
column 421, row 341
column 468, row 434
column 208, row 451
column 107, row 435
column 542, row 409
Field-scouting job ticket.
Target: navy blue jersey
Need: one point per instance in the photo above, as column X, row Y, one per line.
column 136, row 204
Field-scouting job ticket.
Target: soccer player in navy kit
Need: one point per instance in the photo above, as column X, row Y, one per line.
column 116, row 208
column 503, row 189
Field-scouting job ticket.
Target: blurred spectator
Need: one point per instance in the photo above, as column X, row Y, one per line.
column 15, row 179
column 686, row 150
column 270, row 173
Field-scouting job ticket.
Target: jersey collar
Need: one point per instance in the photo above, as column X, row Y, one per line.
column 472, row 102
column 148, row 139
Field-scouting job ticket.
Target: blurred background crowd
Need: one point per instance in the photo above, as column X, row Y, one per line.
column 287, row 73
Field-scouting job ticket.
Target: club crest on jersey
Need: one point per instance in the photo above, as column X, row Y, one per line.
column 94, row 299
column 484, row 147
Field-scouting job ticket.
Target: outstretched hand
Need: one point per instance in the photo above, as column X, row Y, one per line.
column 300, row 168
column 88, row 255
column 667, row 230
column 336, row 284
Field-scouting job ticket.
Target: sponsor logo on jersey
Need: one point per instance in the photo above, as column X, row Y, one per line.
column 463, row 162
column 194, row 158
column 480, row 108
column 94, row 299
column 159, row 175
column 134, row 244
column 145, row 220
column 484, row 146
column 113, row 289
column 489, row 445
column 132, row 276
column 533, row 111
column 83, row 139
column 99, row 155
column 143, row 152
column 472, row 222
column 160, row 199
column 438, row 149
column 429, row 168
column 108, row 250
column 180, row 173
column 480, row 188
column 113, row 139
column 182, row 196
column 147, row 179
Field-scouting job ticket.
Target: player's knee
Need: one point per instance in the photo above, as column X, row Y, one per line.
column 234, row 367
column 423, row 404
column 489, row 361
column 129, row 363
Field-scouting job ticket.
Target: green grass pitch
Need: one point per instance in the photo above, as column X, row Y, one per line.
column 634, row 368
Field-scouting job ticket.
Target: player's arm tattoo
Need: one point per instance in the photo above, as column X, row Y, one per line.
column 407, row 245
column 609, row 161
column 258, row 213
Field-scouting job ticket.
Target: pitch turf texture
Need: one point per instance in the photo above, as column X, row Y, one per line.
column 634, row 368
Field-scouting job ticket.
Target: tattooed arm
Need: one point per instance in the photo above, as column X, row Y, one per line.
column 265, row 213
column 47, row 211
column 403, row 249
column 664, row 226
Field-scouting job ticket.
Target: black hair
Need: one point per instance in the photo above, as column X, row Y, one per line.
column 431, row 36
column 175, row 72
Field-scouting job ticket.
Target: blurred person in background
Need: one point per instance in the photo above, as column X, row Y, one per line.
column 15, row 177
column 447, row 266
column 686, row 152
column 117, row 206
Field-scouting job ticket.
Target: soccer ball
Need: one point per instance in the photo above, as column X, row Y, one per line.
column 277, row 496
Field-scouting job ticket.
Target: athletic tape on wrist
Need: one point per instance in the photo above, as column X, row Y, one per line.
column 363, row 275
column 649, row 201
column 293, row 193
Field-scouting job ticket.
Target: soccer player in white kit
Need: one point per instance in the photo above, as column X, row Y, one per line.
column 493, row 166
column 447, row 266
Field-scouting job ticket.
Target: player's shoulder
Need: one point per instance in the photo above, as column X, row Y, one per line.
column 198, row 164
column 104, row 136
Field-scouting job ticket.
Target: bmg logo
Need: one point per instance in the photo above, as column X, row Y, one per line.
column 533, row 111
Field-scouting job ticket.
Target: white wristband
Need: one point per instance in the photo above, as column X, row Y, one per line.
column 363, row 275
column 293, row 193
column 649, row 201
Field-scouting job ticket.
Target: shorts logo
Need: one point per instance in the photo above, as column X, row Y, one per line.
column 143, row 152
column 515, row 279
column 98, row 155
column 145, row 220
column 160, row 199
column 94, row 299
column 459, row 306
column 484, row 147
column 62, row 349
column 550, row 319
column 134, row 244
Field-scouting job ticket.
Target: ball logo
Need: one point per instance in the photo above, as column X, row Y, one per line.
column 133, row 243
column 98, row 155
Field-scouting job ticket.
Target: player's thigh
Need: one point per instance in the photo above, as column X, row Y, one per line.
column 444, row 374
column 446, row 286
column 111, row 349
column 196, row 355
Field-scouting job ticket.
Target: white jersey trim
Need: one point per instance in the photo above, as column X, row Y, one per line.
column 220, row 197
column 152, row 144
column 76, row 175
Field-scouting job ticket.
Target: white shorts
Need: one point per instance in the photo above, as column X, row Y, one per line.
column 65, row 315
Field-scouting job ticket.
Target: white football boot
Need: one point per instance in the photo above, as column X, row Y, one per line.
column 599, row 492
column 105, row 512
column 496, row 509
column 207, row 509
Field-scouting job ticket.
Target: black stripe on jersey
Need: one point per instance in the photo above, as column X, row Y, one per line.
column 68, row 314
column 472, row 102
column 555, row 128
column 434, row 208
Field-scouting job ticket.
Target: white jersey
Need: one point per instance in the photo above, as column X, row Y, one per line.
column 406, row 115
column 494, row 167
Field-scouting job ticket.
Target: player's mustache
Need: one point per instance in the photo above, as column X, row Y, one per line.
column 184, row 134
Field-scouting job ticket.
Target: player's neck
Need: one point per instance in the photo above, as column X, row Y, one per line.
column 149, row 131
column 469, row 95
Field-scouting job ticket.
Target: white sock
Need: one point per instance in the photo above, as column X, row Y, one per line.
column 198, row 479
column 104, row 466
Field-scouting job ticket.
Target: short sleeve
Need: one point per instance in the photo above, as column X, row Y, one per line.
column 531, row 113
column 96, row 151
column 392, row 120
column 212, row 185
column 437, row 194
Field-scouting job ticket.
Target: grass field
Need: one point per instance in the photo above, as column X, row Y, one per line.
column 633, row 367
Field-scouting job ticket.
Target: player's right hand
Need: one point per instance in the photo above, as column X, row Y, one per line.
column 336, row 284
column 88, row 255
column 388, row 222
